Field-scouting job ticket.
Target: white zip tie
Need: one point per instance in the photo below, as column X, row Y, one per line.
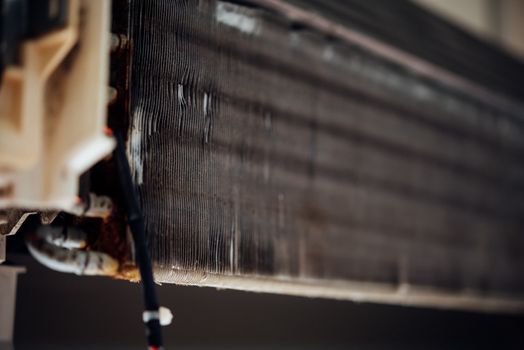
column 163, row 314
column 149, row 315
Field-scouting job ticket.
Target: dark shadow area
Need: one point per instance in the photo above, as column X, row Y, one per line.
column 58, row 311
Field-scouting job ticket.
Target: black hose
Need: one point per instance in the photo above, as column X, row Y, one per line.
column 137, row 227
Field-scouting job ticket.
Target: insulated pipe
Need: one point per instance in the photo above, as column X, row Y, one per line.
column 50, row 246
column 63, row 236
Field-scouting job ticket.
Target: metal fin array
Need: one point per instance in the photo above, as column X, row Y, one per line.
column 271, row 157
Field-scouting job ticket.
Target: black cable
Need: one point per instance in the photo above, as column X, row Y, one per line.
column 137, row 227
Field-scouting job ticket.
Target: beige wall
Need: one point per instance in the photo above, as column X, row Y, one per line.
column 512, row 25
column 499, row 20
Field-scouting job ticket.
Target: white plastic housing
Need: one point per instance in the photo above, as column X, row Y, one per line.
column 53, row 111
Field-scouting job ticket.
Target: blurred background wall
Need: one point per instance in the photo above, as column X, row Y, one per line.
column 61, row 311
column 500, row 21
